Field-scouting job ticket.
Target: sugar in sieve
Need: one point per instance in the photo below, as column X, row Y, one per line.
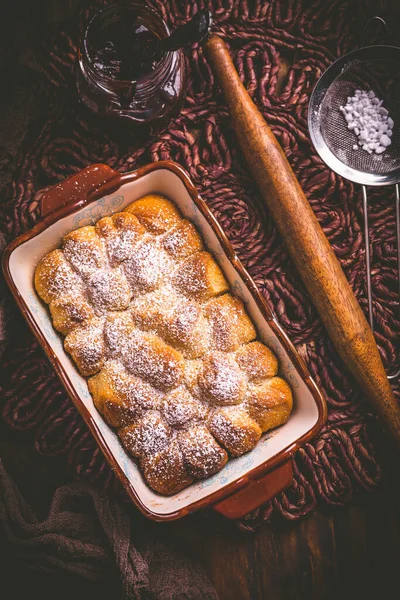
column 374, row 68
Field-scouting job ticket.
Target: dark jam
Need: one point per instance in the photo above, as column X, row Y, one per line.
column 125, row 53
column 121, row 72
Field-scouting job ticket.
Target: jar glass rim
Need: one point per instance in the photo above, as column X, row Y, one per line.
column 109, row 9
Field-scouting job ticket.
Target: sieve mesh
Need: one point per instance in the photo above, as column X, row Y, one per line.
column 383, row 78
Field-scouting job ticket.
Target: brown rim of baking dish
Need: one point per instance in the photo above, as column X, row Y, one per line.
column 260, row 483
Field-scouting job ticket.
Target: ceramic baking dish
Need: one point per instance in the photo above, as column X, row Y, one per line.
column 245, row 482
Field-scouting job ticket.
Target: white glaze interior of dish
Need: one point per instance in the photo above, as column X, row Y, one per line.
column 23, row 261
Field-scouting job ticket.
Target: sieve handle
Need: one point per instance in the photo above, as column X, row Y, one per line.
column 368, row 256
column 306, row 242
column 377, row 19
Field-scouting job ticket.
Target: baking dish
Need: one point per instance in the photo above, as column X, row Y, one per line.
column 245, row 482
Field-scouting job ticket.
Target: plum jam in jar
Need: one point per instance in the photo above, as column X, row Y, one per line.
column 113, row 80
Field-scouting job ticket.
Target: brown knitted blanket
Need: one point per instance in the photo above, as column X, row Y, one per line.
column 62, row 139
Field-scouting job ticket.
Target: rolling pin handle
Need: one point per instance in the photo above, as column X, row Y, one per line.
column 305, row 241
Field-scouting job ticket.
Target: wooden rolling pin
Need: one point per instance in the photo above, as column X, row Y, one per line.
column 309, row 248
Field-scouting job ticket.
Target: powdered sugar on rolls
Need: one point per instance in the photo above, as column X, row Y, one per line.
column 173, row 358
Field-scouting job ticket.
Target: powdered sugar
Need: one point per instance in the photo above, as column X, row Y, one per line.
column 147, row 266
column 192, row 279
column 134, row 390
column 166, row 471
column 120, row 246
column 54, row 277
column 155, row 361
column 221, row 380
column 109, row 290
column 148, row 436
column 152, row 293
column 231, row 327
column 85, row 255
column 201, row 452
column 86, row 345
column 118, row 331
column 182, row 241
column 234, row 430
column 186, row 314
column 179, row 407
column 154, row 309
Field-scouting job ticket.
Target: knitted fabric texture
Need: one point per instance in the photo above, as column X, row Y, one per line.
column 63, row 139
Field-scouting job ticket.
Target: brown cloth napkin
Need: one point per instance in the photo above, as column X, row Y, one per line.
column 86, row 533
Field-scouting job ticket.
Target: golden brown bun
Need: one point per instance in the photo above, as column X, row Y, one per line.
column 270, row 403
column 234, row 429
column 109, row 290
column 84, row 251
column 201, row 452
column 68, row 312
column 166, row 471
column 187, row 329
column 257, row 361
column 155, row 361
column 192, row 371
column 177, row 320
column 171, row 354
column 122, row 232
column 86, row 346
column 179, row 407
column 220, row 380
column 182, row 241
column 154, row 309
column 54, row 277
column 231, row 327
column 119, row 330
column 147, row 436
column 155, row 213
column 147, row 267
column 121, row 398
column 200, row 277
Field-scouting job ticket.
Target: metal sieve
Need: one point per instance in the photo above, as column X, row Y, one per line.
column 374, row 68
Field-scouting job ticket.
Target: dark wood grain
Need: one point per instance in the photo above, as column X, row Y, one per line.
column 306, row 242
column 345, row 552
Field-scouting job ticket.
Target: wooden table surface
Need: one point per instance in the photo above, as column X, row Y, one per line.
column 345, row 552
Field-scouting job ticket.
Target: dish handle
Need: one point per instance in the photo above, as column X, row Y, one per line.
column 76, row 188
column 256, row 492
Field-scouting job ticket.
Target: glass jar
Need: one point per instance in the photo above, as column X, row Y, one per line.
column 154, row 95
